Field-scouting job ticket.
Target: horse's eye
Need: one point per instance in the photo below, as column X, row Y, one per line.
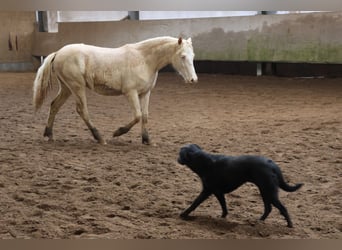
column 183, row 57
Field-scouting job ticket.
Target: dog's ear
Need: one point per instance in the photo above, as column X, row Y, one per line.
column 188, row 154
column 196, row 146
column 183, row 156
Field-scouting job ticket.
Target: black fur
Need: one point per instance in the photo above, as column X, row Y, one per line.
column 222, row 174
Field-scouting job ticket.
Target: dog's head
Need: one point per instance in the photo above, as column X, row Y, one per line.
column 188, row 154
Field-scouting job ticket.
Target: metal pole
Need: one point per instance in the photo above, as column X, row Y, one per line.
column 40, row 20
column 133, row 15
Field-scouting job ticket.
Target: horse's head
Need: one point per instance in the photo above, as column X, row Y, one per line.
column 183, row 60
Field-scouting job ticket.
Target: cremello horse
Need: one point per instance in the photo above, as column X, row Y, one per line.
column 130, row 70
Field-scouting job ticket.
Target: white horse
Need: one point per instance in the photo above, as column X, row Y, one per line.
column 130, row 70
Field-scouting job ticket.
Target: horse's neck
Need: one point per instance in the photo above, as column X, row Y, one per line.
column 159, row 52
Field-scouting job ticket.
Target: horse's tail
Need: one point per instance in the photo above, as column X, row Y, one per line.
column 283, row 185
column 43, row 81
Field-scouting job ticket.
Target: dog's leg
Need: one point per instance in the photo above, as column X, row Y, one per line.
column 267, row 206
column 202, row 197
column 283, row 211
column 223, row 204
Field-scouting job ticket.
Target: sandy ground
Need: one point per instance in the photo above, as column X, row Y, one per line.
column 76, row 188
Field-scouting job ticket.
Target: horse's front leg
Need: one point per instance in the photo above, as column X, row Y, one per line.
column 144, row 102
column 133, row 99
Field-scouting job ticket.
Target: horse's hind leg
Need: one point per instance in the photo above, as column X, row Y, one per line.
column 82, row 110
column 56, row 104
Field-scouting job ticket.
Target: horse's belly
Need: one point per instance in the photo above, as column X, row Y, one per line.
column 105, row 90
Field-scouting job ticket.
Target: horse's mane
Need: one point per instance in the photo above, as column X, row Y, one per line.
column 157, row 40
column 161, row 42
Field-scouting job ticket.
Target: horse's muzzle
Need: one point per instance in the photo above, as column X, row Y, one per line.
column 193, row 80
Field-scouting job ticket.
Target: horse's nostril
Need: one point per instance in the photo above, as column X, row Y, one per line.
column 193, row 80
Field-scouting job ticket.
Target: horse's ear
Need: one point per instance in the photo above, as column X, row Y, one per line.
column 180, row 41
column 190, row 40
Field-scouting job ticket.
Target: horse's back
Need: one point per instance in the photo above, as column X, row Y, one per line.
column 81, row 51
column 81, row 47
column 93, row 56
column 78, row 59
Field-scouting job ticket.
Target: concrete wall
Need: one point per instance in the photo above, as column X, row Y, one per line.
column 16, row 39
column 313, row 37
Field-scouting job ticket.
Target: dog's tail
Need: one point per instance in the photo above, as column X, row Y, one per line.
column 283, row 185
column 286, row 187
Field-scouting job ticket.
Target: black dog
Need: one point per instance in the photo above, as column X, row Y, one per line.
column 222, row 174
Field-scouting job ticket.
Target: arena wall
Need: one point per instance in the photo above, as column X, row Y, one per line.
column 310, row 38
column 16, row 40
column 292, row 38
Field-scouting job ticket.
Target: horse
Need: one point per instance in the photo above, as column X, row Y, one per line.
column 130, row 70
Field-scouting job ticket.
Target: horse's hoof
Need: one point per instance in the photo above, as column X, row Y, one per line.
column 50, row 140
column 48, row 133
column 120, row 131
column 102, row 142
column 146, row 141
column 145, row 138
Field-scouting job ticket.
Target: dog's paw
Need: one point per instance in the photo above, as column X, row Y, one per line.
column 224, row 215
column 186, row 217
column 290, row 225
